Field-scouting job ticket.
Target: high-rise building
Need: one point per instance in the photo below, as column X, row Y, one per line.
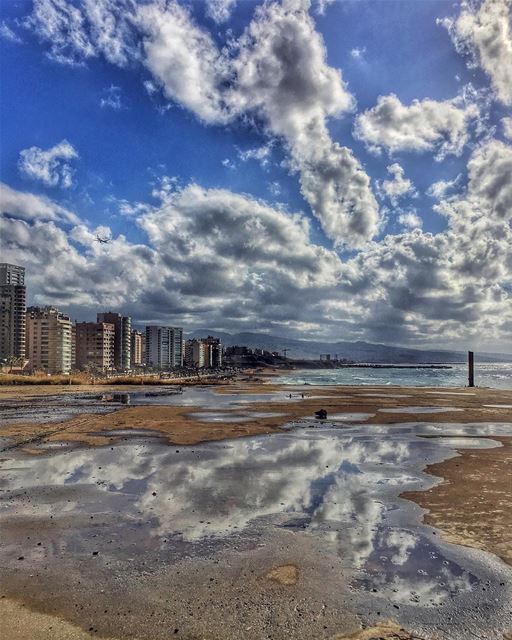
column 213, row 352
column 137, row 352
column 203, row 352
column 95, row 346
column 48, row 340
column 164, row 347
column 122, row 338
column 195, row 353
column 13, row 307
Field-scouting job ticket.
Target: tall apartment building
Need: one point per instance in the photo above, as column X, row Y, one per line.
column 164, row 347
column 203, row 352
column 122, row 338
column 95, row 346
column 13, row 307
column 48, row 340
column 213, row 352
column 137, row 350
column 195, row 353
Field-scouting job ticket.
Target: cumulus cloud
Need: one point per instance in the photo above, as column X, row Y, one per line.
column 29, row 206
column 216, row 258
column 507, row 127
column 424, row 125
column 410, row 220
column 275, row 75
column 220, row 10
column 484, row 32
column 51, row 166
column 398, row 187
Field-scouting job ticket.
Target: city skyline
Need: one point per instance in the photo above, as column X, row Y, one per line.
column 294, row 168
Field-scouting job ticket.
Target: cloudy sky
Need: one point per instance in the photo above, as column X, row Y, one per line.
column 326, row 169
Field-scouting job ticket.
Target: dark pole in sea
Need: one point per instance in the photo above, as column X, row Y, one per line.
column 471, row 369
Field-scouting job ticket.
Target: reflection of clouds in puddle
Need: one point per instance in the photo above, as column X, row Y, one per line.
column 349, row 417
column 341, row 485
column 407, row 569
column 247, row 416
column 228, row 487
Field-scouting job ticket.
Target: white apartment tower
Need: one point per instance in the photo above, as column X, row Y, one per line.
column 164, row 347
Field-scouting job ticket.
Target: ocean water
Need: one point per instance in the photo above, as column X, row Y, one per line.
column 495, row 376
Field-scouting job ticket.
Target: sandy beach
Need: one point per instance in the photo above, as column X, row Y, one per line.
column 467, row 502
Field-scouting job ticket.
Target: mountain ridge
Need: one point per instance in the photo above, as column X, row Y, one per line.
column 359, row 351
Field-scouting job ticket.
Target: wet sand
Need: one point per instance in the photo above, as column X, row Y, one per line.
column 179, row 425
column 472, row 506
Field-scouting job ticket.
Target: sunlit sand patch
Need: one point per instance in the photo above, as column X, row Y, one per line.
column 388, row 630
column 286, row 574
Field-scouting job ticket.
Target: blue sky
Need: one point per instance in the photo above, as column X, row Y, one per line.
column 128, row 138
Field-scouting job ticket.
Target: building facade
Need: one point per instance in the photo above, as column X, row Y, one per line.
column 164, row 347
column 195, row 353
column 213, row 352
column 95, row 346
column 137, row 355
column 13, row 308
column 49, row 340
column 122, row 338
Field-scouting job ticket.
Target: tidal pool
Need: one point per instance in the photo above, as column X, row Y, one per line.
column 188, row 534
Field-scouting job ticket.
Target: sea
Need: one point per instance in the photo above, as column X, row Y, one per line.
column 494, row 376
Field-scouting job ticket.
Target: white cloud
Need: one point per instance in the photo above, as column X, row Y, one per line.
column 507, row 127
column 184, row 60
column 222, row 259
column 398, row 187
column 261, row 154
column 424, row 125
column 322, row 6
column 410, row 220
column 484, row 32
column 6, row 33
column 440, row 188
column 51, row 166
column 111, row 98
column 220, row 10
column 30, row 206
column 77, row 33
column 358, row 53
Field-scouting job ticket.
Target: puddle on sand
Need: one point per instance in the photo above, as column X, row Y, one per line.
column 151, row 508
column 418, row 409
column 498, row 406
column 384, row 395
column 224, row 417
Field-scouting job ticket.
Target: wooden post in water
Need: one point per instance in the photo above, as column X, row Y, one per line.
column 471, row 369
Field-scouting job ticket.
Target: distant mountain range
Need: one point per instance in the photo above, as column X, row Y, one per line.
column 357, row 351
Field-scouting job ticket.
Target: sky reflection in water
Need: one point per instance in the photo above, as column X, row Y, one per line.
column 339, row 486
